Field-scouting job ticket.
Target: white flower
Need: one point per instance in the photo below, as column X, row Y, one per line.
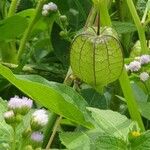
column 48, row 8
column 20, row 104
column 134, row 66
column 144, row 76
column 145, row 59
column 52, row 6
column 37, row 137
column 45, row 13
column 39, row 119
column 9, row 114
column 9, row 117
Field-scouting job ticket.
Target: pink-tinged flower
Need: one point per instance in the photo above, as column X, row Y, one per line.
column 50, row 7
column 134, row 66
column 144, row 76
column 20, row 105
column 145, row 59
column 37, row 137
column 39, row 119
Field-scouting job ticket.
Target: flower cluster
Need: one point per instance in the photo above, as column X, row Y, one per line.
column 16, row 108
column 137, row 66
column 50, row 7
column 21, row 105
column 39, row 119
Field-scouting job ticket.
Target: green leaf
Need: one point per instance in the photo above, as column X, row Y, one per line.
column 91, row 140
column 12, row 27
column 111, row 122
column 55, row 100
column 124, row 27
column 95, row 99
column 6, row 131
column 28, row 14
column 106, row 142
column 142, row 142
column 144, row 108
column 139, row 93
column 75, row 140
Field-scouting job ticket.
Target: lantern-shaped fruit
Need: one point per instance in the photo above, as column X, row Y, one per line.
column 97, row 59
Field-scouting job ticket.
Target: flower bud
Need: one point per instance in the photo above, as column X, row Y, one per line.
column 28, row 147
column 9, row 117
column 145, row 59
column 63, row 34
column 45, row 13
column 63, row 18
column 26, row 133
column 144, row 76
column 39, row 119
column 134, row 66
column 36, row 138
column 52, row 6
column 18, row 118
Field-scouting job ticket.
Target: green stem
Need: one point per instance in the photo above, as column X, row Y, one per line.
column 124, row 81
column 14, row 139
column 29, row 30
column 57, row 123
column 140, row 28
column 144, row 16
column 130, row 99
column 105, row 18
column 51, row 123
column 9, row 54
column 12, row 8
column 91, row 18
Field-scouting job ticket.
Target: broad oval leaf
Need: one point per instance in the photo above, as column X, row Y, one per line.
column 50, row 97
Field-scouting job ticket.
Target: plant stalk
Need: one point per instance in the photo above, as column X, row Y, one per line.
column 139, row 26
column 12, row 8
column 124, row 80
column 9, row 53
column 130, row 99
column 51, row 123
column 14, row 139
column 29, row 30
column 57, row 123
column 103, row 9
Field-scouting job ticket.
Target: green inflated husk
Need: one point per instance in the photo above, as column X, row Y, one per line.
column 97, row 59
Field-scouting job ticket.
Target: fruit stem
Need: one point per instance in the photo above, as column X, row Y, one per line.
column 98, row 29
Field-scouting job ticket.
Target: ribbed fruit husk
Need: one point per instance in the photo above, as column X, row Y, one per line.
column 97, row 59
